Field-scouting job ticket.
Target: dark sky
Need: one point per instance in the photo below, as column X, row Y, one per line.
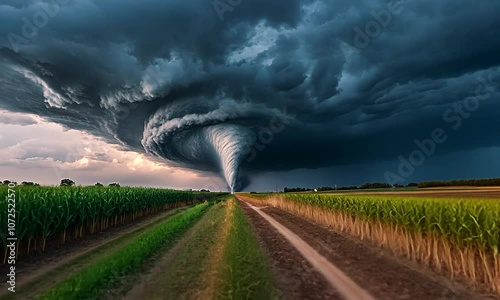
column 310, row 92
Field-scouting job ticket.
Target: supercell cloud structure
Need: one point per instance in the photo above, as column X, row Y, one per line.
column 173, row 79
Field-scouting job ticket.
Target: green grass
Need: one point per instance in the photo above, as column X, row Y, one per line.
column 246, row 273
column 194, row 259
column 93, row 281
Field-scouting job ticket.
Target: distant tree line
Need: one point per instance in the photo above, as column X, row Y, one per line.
column 375, row 185
column 329, row 188
column 6, row 182
column 368, row 185
column 463, row 182
column 295, row 190
column 27, row 183
column 423, row 184
column 69, row 182
column 371, row 185
column 64, row 182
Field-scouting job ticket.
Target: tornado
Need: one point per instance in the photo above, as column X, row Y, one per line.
column 210, row 139
column 231, row 143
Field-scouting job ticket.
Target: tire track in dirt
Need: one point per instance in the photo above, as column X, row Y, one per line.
column 295, row 276
column 337, row 279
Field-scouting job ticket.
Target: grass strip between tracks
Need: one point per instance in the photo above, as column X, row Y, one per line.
column 193, row 265
column 92, row 281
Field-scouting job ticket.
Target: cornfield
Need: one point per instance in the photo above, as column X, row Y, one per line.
column 56, row 214
column 460, row 237
column 464, row 222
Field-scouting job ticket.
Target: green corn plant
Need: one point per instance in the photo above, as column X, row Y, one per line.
column 466, row 222
column 54, row 214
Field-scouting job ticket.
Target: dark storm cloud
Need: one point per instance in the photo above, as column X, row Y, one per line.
column 171, row 79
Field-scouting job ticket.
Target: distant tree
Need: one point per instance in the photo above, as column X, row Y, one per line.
column 375, row 185
column 325, row 188
column 204, row 190
column 398, row 186
column 67, row 182
column 6, row 181
column 99, row 184
column 343, row 188
column 294, row 190
column 114, row 184
column 412, row 184
column 29, row 183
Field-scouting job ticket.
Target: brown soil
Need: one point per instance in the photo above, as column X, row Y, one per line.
column 295, row 277
column 380, row 273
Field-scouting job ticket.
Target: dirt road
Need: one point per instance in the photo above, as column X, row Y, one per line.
column 335, row 277
column 370, row 271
